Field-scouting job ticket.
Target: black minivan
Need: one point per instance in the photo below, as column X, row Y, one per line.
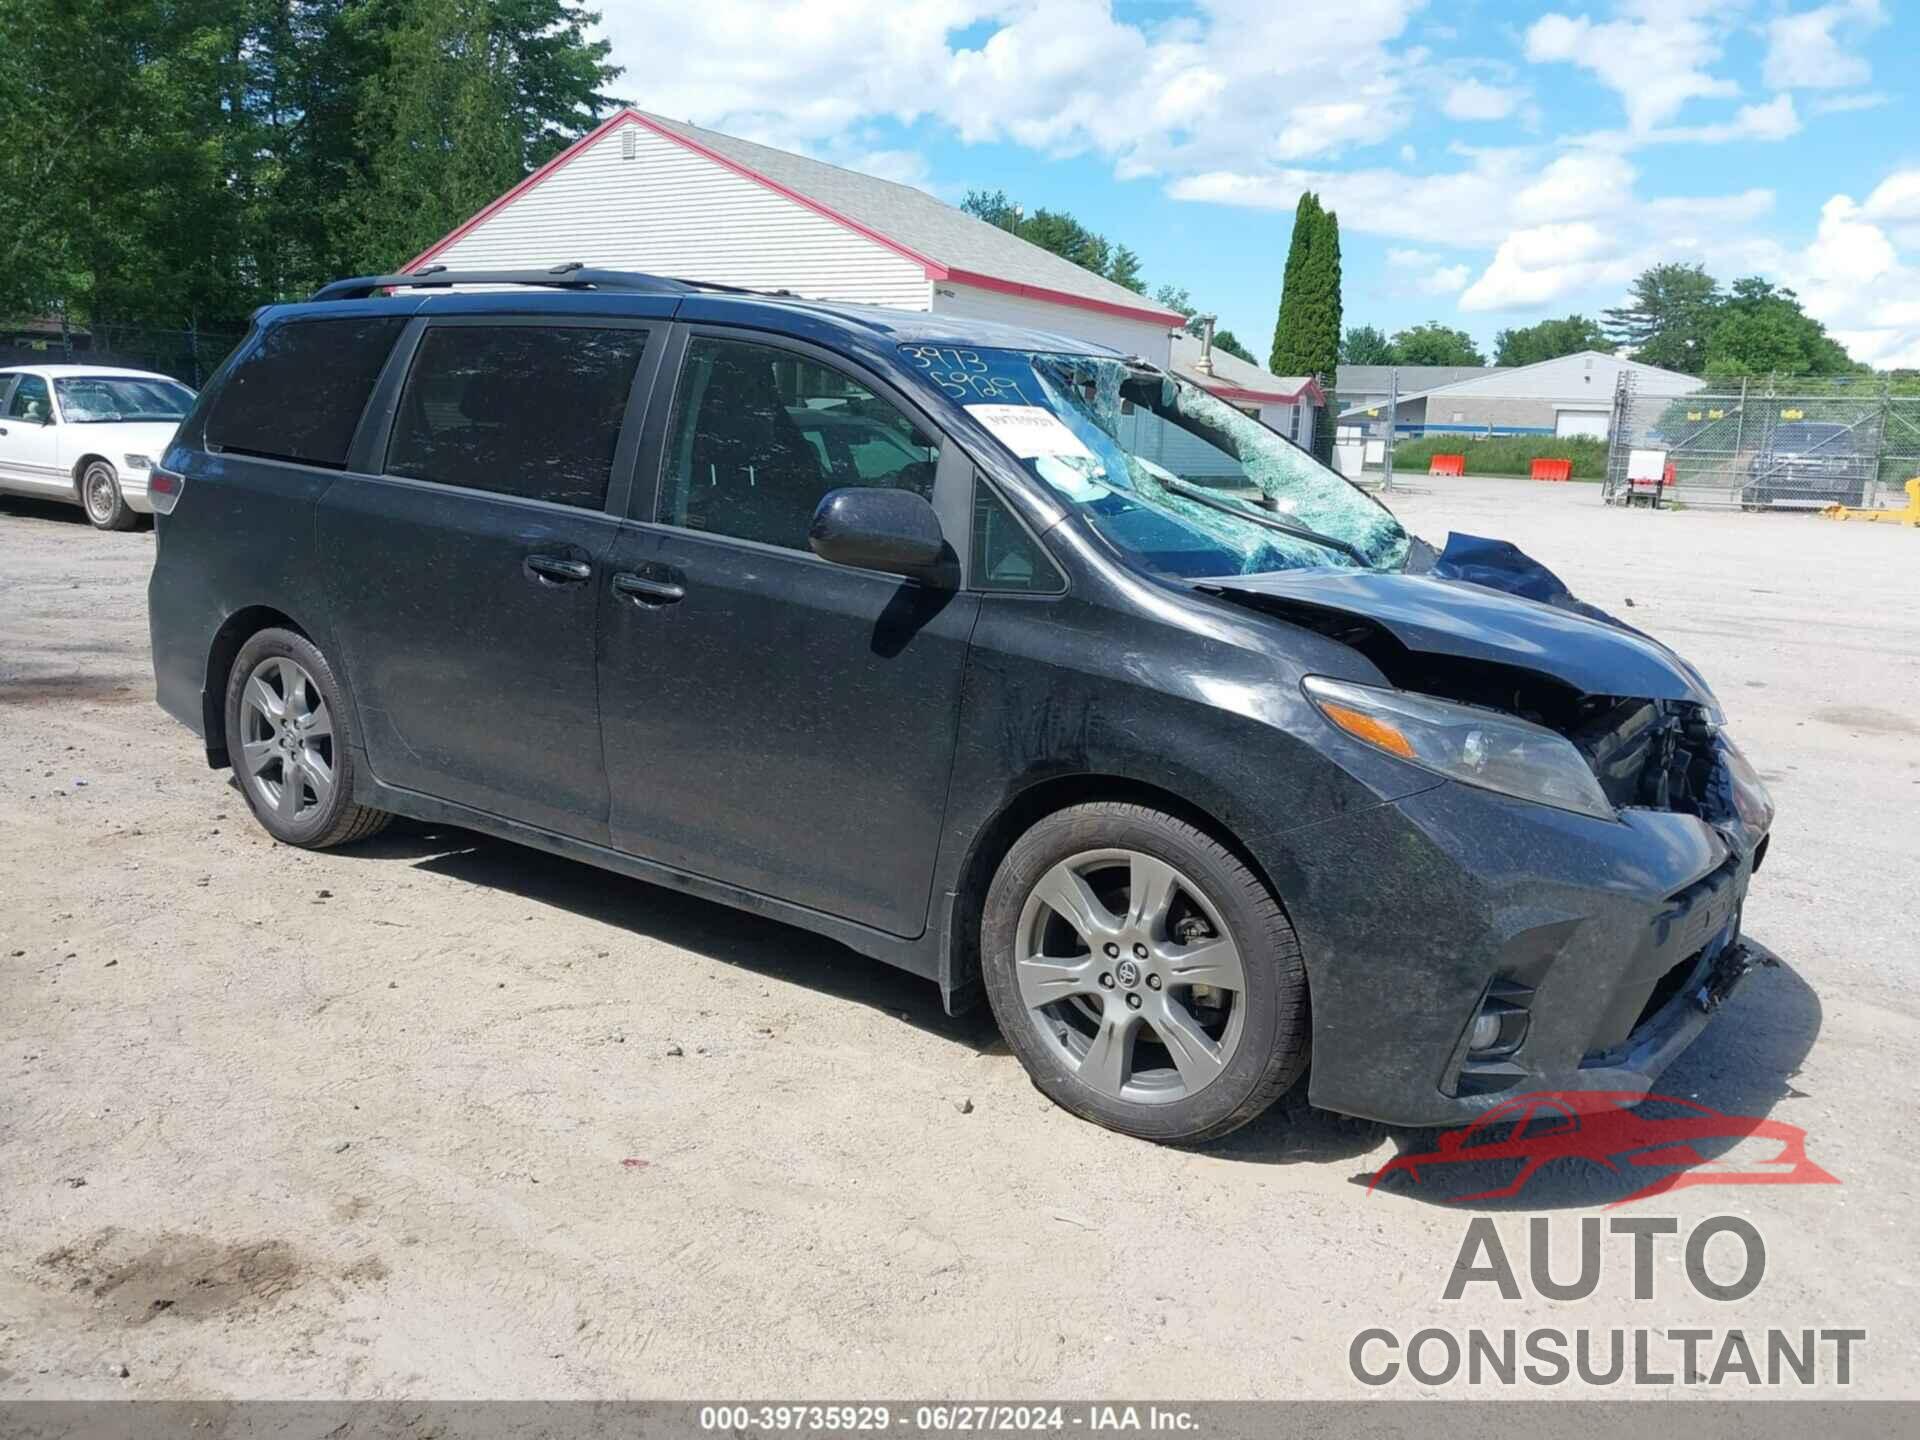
column 1013, row 661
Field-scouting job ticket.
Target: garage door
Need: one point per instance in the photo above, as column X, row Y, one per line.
column 1581, row 422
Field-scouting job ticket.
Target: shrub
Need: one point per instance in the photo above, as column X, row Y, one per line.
column 1504, row 454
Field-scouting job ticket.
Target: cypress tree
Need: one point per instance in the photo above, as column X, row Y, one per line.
column 1288, row 336
column 1306, row 335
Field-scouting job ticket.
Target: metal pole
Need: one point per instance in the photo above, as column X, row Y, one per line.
column 1393, row 427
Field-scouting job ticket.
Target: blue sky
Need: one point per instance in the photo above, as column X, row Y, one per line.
column 1491, row 164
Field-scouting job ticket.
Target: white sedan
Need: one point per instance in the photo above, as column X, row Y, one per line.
column 88, row 434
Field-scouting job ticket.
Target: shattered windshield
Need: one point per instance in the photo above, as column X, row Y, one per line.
column 1179, row 480
column 93, row 399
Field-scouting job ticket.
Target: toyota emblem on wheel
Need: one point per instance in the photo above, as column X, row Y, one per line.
column 1127, row 973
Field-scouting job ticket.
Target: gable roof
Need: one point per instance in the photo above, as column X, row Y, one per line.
column 947, row 243
column 1366, row 379
column 1237, row 379
column 1688, row 382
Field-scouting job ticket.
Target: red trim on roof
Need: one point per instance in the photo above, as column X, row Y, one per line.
column 1273, row 397
column 1169, row 318
column 933, row 269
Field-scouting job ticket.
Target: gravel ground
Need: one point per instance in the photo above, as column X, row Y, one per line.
column 440, row 1116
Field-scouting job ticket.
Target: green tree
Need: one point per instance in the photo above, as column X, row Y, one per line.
column 468, row 96
column 1228, row 341
column 1366, row 345
column 174, row 163
column 1060, row 233
column 1306, row 333
column 1124, row 269
column 1762, row 330
column 1549, row 340
column 1434, row 344
column 1672, row 313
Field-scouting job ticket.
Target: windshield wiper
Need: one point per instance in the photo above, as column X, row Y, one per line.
column 1285, row 527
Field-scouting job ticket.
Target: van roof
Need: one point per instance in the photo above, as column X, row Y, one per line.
column 632, row 294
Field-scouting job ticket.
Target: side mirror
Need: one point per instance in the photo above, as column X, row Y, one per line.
column 891, row 530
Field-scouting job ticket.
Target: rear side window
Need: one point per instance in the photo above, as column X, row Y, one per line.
column 298, row 393
column 523, row 410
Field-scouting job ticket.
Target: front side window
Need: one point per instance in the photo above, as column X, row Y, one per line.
column 1174, row 478
column 761, row 434
column 30, row 400
column 525, row 410
column 298, row 392
column 106, row 399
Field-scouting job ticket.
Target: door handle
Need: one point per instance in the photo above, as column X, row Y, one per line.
column 643, row 591
column 559, row 571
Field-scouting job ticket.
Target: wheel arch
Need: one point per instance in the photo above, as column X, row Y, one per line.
column 77, row 471
column 1025, row 808
column 234, row 632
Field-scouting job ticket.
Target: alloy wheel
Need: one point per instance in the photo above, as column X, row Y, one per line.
column 286, row 739
column 1128, row 973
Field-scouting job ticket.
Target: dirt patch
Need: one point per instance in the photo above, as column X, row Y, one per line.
column 49, row 689
column 1868, row 718
column 183, row 1277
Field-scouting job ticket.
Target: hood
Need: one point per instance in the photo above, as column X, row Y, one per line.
column 1443, row 616
column 129, row 437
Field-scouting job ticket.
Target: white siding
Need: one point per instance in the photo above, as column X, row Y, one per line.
column 1150, row 341
column 672, row 211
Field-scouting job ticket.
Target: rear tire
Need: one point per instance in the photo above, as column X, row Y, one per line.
column 1145, row 976
column 100, row 497
column 289, row 737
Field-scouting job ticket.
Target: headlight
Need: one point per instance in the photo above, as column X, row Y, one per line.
column 138, row 462
column 1462, row 742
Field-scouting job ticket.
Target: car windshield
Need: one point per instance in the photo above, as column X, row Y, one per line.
column 1830, row 438
column 94, row 399
column 1174, row 477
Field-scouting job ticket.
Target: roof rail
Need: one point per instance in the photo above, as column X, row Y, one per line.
column 571, row 276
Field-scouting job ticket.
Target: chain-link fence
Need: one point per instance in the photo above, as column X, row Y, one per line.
column 187, row 355
column 1765, row 444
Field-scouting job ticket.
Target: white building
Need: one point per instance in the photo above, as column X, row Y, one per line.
column 645, row 193
column 1570, row 396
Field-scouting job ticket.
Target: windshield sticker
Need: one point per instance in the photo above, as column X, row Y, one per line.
column 1029, row 431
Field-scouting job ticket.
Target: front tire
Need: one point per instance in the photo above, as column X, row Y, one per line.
column 288, row 737
column 1145, row 977
column 100, row 497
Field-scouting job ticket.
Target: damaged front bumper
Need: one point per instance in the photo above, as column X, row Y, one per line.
column 1464, row 947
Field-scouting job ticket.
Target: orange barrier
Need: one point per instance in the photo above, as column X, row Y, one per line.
column 1552, row 469
column 1447, row 465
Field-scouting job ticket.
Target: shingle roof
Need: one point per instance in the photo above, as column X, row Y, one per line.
column 1230, row 372
column 931, row 229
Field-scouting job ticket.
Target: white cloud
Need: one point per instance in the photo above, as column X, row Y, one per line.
column 1803, row 52
column 1844, row 104
column 1476, row 100
column 1429, row 277
column 1241, row 80
column 1776, row 119
column 1655, row 57
column 1535, row 266
column 1854, row 277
